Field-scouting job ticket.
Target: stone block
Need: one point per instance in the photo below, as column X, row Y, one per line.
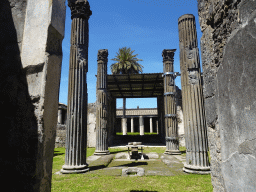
column 122, row 156
column 133, row 171
column 152, row 155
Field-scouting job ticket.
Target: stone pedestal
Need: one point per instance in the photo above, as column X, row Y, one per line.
column 141, row 125
column 172, row 139
column 101, row 104
column 151, row 125
column 75, row 157
column 192, row 98
column 132, row 126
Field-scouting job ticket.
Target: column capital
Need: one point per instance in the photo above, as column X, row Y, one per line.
column 80, row 9
column 102, row 55
column 186, row 16
column 168, row 54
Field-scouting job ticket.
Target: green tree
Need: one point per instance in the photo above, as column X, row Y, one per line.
column 127, row 63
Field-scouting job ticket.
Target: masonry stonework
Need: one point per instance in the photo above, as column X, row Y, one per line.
column 30, row 76
column 228, row 55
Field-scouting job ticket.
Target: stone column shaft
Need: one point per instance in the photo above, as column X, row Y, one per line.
column 171, row 129
column 192, row 98
column 76, row 138
column 132, row 126
column 141, row 125
column 124, row 126
column 151, row 125
column 157, row 129
column 160, row 109
column 101, row 105
column 59, row 116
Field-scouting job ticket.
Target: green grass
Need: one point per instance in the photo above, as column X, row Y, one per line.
column 91, row 182
column 135, row 133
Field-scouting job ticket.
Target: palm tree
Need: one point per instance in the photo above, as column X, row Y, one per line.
column 127, row 63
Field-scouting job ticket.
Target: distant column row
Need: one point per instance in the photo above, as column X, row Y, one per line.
column 141, row 125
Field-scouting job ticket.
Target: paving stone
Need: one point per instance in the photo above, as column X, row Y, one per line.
column 152, row 155
column 138, row 171
column 121, row 156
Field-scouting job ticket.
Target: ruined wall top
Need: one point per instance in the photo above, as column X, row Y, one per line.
column 102, row 55
column 80, row 9
column 168, row 54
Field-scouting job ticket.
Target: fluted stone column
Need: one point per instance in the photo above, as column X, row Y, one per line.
column 151, row 125
column 171, row 126
column 160, row 109
column 132, row 126
column 76, row 138
column 192, row 98
column 141, row 125
column 59, row 115
column 101, row 104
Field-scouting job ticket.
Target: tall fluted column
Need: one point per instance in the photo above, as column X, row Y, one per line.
column 151, row 125
column 192, row 98
column 171, row 130
column 141, row 125
column 76, row 138
column 132, row 125
column 101, row 104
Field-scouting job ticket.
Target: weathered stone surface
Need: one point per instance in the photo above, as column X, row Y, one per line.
column 91, row 125
column 76, row 144
column 122, row 156
column 32, row 98
column 60, row 140
column 152, row 155
column 192, row 98
column 136, row 170
column 102, row 105
column 228, row 56
column 170, row 105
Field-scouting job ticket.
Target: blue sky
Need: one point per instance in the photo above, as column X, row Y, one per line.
column 146, row 26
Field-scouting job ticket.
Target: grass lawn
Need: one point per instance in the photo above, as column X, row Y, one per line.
column 135, row 133
column 91, row 182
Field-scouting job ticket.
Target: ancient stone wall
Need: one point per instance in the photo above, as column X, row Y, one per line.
column 30, row 56
column 228, row 56
column 91, row 125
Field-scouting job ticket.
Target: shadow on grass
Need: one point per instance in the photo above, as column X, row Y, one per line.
column 142, row 191
column 132, row 164
column 183, row 151
column 97, row 167
column 56, row 153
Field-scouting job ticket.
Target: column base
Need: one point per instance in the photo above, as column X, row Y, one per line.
column 101, row 152
column 74, row 169
column 196, row 169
